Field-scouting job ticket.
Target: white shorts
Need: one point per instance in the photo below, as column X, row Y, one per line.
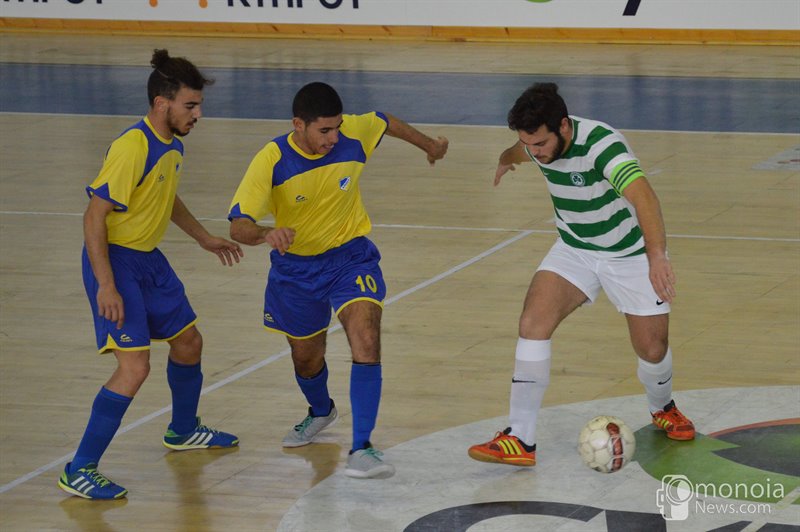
column 626, row 281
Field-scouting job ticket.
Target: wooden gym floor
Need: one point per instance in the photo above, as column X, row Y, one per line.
column 457, row 255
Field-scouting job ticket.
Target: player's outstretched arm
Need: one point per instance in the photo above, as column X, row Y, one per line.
column 227, row 251
column 435, row 148
column 648, row 211
column 248, row 232
column 511, row 156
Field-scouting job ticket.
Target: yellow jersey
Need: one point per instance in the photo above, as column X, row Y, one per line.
column 140, row 177
column 316, row 195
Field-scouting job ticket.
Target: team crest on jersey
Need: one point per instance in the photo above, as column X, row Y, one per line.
column 344, row 184
column 299, row 198
column 160, row 178
column 577, row 179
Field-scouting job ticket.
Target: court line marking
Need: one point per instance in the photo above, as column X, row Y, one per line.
column 288, row 122
column 456, row 228
column 236, row 376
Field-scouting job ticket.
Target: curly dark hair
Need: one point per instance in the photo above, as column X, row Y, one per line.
column 170, row 74
column 539, row 105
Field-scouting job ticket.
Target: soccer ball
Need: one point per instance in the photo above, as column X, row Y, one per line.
column 606, row 444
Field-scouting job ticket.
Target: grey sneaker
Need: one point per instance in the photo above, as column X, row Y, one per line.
column 304, row 433
column 367, row 463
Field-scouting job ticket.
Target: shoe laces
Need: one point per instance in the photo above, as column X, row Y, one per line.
column 96, row 477
column 303, row 425
column 501, row 433
column 673, row 415
column 203, row 428
column 373, row 452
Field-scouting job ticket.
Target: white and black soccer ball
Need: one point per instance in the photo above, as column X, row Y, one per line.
column 606, row 444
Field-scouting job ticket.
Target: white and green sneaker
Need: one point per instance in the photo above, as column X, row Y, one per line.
column 304, row 432
column 368, row 463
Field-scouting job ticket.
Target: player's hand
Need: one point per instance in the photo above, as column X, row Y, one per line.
column 227, row 251
column 437, row 150
column 280, row 238
column 501, row 171
column 662, row 278
column 110, row 305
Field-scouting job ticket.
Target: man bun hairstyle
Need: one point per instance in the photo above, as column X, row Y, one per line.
column 170, row 74
column 539, row 105
column 316, row 100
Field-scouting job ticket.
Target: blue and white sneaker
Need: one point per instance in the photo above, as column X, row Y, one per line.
column 89, row 483
column 201, row 437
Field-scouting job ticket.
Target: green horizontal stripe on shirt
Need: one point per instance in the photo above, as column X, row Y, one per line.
column 630, row 239
column 594, row 204
column 600, row 228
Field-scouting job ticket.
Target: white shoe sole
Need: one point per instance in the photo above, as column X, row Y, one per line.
column 383, row 471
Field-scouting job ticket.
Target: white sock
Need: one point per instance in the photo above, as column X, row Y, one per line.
column 657, row 380
column 531, row 377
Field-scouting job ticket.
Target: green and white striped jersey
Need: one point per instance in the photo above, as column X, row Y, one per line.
column 586, row 185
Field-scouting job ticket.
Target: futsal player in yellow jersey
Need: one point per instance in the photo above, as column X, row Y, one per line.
column 134, row 293
column 308, row 181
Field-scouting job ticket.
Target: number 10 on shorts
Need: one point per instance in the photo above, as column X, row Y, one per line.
column 367, row 282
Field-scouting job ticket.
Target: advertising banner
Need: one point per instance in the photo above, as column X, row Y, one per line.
column 658, row 14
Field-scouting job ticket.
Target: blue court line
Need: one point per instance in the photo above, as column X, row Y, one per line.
column 627, row 102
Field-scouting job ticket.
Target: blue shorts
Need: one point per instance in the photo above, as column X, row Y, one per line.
column 302, row 290
column 156, row 307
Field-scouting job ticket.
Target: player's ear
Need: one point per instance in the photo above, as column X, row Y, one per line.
column 160, row 104
column 298, row 124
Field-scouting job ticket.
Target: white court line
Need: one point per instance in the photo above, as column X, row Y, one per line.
column 456, row 228
column 288, row 121
column 236, row 376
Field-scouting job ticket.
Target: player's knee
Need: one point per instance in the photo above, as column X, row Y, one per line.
column 654, row 352
column 136, row 371
column 533, row 329
column 187, row 348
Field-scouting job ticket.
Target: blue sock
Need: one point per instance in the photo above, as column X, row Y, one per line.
column 316, row 391
column 185, row 383
column 365, row 396
column 107, row 411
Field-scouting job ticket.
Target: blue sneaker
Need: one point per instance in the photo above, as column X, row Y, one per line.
column 89, row 483
column 201, row 437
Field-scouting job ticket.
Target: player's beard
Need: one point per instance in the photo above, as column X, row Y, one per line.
column 558, row 150
column 561, row 142
column 175, row 127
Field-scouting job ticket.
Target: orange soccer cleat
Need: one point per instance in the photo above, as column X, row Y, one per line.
column 504, row 449
column 674, row 423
